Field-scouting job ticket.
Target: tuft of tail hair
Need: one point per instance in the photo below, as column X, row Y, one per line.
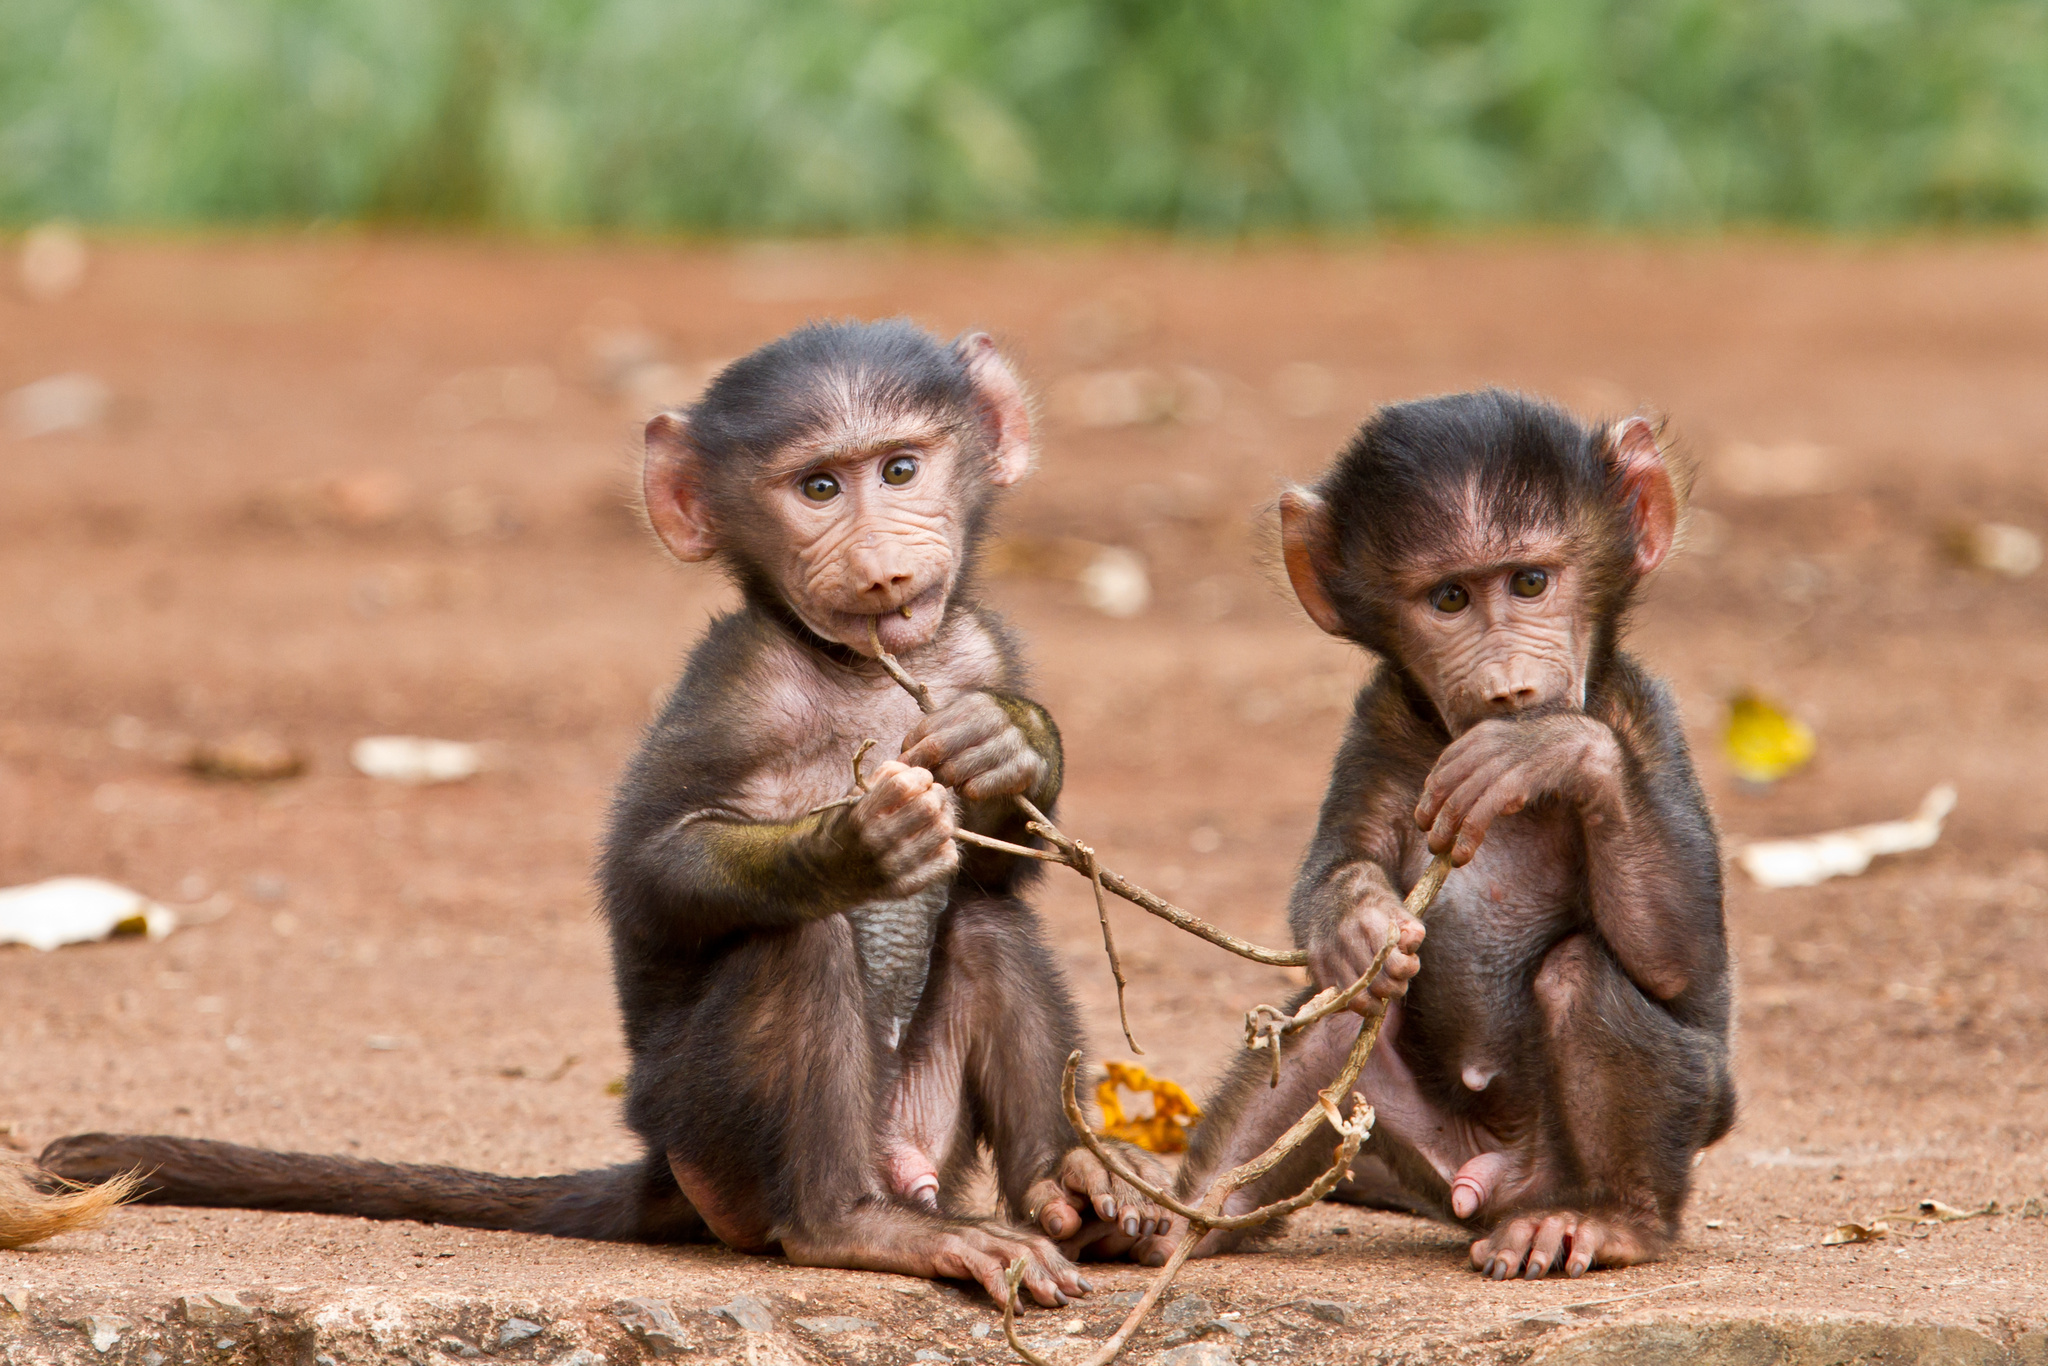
column 35, row 1205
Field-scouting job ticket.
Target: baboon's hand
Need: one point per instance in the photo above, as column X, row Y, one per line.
column 1501, row 765
column 905, row 823
column 1346, row 948
column 974, row 747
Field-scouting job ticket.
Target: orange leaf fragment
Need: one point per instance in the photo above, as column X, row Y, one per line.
column 1174, row 1111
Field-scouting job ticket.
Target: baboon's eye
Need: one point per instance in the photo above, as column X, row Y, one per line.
column 899, row 469
column 820, row 487
column 1528, row 583
column 1451, row 599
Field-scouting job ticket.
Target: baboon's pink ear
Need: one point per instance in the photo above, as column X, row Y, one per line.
column 1309, row 549
column 1646, row 489
column 672, row 481
column 1002, row 397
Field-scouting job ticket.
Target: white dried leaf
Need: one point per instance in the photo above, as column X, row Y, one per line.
column 1844, row 853
column 77, row 910
column 411, row 759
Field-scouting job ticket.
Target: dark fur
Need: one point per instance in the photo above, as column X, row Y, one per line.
column 1652, row 1074
column 755, row 1063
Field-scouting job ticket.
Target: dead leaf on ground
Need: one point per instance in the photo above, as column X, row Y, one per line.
column 1174, row 1111
column 1763, row 741
column 1935, row 1212
column 1856, row 1233
column 252, row 757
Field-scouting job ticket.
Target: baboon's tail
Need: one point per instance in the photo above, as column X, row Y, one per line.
column 637, row 1202
column 32, row 1209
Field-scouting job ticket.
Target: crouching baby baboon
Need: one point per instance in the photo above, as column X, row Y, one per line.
column 1553, row 1063
column 831, row 1010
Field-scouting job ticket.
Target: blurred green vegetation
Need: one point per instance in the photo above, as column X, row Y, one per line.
column 1213, row 116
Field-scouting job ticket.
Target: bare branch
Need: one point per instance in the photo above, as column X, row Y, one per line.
column 1165, row 910
column 896, row 671
column 1116, row 964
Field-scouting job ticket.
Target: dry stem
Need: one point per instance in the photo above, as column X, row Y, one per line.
column 1082, row 859
column 1264, row 1028
column 1209, row 1214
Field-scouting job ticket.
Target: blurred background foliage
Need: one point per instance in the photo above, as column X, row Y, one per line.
column 1205, row 116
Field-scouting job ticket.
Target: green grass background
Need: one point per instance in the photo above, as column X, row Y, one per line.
column 1205, row 116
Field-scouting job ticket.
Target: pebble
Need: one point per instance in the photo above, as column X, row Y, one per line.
column 749, row 1313
column 516, row 1330
column 1186, row 1311
column 1197, row 1354
column 104, row 1331
column 59, row 403
column 1333, row 1311
column 1115, row 582
column 654, row 1323
column 827, row 1325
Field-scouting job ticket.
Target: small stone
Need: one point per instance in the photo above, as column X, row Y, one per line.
column 826, row 1325
column 1228, row 1327
column 61, row 403
column 582, row 1356
column 324, row 1360
column 214, row 1310
column 749, row 1313
column 1539, row 1323
column 223, row 1344
column 1186, row 1311
column 104, row 1330
column 456, row 1347
column 151, row 1357
column 2035, row 1208
column 654, row 1323
column 1333, row 1311
column 15, row 1298
column 1197, row 1354
column 927, row 1354
column 979, row 1330
column 511, row 1331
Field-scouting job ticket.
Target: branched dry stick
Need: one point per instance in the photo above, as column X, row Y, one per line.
column 1264, row 1028
column 1081, row 859
column 1209, row 1214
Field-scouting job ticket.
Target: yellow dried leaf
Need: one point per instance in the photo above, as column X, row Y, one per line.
column 1174, row 1111
column 1856, row 1233
column 1764, row 743
column 1935, row 1212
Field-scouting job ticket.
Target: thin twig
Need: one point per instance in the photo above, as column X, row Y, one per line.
column 860, row 784
column 1265, row 1026
column 1116, row 964
column 896, row 671
column 1071, row 851
column 1271, row 1026
column 1165, row 910
column 1209, row 1214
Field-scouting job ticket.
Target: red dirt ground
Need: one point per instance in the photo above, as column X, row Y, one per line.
column 314, row 510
